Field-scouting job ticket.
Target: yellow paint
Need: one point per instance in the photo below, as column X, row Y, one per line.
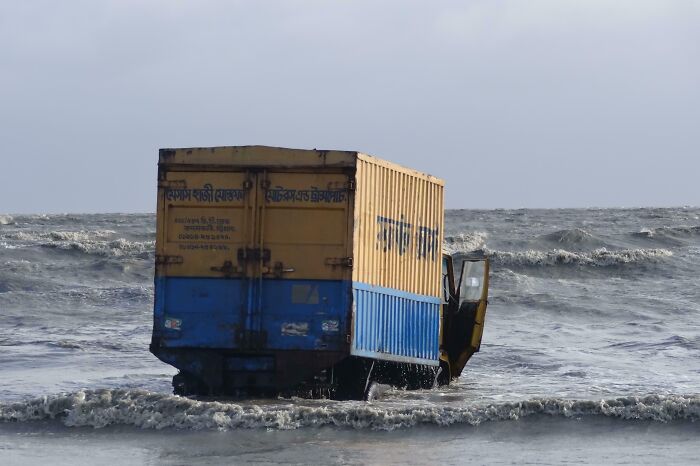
column 205, row 230
column 457, row 366
column 312, row 210
column 481, row 310
column 255, row 156
column 389, row 191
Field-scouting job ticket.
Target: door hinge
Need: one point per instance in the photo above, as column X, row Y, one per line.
column 165, row 260
column 339, row 261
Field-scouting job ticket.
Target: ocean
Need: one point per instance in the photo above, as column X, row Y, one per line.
column 590, row 355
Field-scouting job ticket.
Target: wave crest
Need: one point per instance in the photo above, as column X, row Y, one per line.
column 668, row 232
column 93, row 242
column 465, row 242
column 59, row 235
column 157, row 411
column 115, row 248
column 600, row 257
column 572, row 236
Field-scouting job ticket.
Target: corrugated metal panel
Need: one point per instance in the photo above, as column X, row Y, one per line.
column 398, row 227
column 395, row 326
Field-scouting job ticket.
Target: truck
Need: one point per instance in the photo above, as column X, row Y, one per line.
column 309, row 272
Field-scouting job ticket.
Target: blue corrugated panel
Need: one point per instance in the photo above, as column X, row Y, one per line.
column 293, row 314
column 394, row 325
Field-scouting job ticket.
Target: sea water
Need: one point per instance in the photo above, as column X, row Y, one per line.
column 591, row 354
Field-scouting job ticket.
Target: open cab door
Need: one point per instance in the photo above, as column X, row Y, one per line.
column 464, row 311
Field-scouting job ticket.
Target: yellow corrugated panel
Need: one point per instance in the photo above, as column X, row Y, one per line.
column 398, row 227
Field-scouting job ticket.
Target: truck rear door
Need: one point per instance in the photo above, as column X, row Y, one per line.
column 304, row 279
column 205, row 219
column 254, row 260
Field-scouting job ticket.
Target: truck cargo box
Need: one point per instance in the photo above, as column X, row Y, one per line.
column 286, row 261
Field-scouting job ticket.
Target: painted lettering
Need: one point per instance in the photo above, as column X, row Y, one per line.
column 397, row 235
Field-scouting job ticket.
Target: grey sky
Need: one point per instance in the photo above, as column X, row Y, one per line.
column 514, row 103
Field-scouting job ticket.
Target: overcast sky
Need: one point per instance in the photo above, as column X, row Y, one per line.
column 514, row 103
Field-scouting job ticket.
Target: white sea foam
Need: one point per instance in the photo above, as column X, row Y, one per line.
column 116, row 248
column 96, row 242
column 82, row 235
column 646, row 233
column 143, row 409
column 465, row 242
column 673, row 232
column 601, row 257
column 6, row 220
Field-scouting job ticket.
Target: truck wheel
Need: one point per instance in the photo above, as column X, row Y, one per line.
column 186, row 384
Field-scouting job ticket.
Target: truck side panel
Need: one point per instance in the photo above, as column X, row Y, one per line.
column 397, row 263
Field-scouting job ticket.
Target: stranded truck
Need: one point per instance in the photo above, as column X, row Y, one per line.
column 307, row 272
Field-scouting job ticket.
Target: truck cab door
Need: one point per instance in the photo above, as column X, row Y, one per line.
column 463, row 322
column 473, row 296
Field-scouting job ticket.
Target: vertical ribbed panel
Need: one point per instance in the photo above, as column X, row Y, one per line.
column 398, row 227
column 395, row 326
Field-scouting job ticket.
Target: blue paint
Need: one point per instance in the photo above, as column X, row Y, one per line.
column 327, row 300
column 389, row 324
column 214, row 310
column 210, row 311
column 395, row 325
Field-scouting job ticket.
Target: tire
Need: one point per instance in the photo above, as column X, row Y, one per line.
column 186, row 384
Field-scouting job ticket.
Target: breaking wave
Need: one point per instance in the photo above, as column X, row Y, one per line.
column 601, row 257
column 115, row 248
column 82, row 235
column 144, row 409
column 574, row 236
column 94, row 242
column 6, row 220
column 668, row 232
column 465, row 242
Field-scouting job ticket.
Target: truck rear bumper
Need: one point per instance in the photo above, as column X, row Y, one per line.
column 229, row 372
